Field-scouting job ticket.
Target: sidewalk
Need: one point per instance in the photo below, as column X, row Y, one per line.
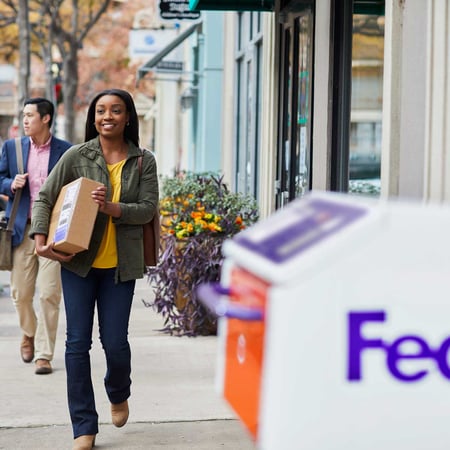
column 173, row 404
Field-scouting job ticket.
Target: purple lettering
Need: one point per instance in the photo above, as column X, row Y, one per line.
column 442, row 358
column 356, row 341
column 395, row 352
column 394, row 356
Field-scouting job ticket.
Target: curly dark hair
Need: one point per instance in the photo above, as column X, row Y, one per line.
column 131, row 131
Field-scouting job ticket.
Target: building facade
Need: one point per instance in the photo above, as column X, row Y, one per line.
column 285, row 96
column 334, row 94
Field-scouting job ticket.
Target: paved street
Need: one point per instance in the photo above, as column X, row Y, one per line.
column 174, row 404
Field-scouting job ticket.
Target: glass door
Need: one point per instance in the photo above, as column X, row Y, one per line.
column 294, row 148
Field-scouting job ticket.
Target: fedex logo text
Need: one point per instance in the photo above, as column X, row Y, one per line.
column 358, row 344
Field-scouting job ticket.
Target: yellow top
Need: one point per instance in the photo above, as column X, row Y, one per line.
column 107, row 253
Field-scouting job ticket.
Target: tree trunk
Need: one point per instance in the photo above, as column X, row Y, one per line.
column 69, row 90
column 48, row 61
column 24, row 58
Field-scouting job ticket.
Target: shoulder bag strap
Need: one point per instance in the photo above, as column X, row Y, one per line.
column 18, row 193
column 19, row 154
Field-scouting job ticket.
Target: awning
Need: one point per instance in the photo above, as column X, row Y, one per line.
column 376, row 7
column 232, row 5
column 149, row 65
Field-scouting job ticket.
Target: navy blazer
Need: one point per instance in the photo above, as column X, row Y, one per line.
column 9, row 169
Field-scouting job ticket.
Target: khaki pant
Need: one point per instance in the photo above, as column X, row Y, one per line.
column 31, row 271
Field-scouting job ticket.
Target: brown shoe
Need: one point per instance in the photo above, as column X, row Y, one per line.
column 43, row 367
column 119, row 413
column 27, row 348
column 84, row 442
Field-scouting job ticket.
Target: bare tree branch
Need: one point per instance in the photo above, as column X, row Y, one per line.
column 61, row 23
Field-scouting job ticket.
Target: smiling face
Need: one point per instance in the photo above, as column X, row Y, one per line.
column 111, row 116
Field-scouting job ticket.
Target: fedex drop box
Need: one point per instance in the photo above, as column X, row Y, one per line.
column 73, row 216
column 334, row 325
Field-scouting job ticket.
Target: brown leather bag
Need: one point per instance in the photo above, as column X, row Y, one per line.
column 151, row 232
column 151, row 240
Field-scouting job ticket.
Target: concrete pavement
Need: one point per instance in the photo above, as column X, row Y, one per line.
column 174, row 404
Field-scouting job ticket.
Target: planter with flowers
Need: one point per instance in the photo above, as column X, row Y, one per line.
column 198, row 212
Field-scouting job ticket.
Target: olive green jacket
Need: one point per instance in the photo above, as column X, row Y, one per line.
column 138, row 202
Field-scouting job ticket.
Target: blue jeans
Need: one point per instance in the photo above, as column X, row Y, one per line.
column 113, row 309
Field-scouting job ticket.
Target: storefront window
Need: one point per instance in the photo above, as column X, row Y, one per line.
column 366, row 104
column 248, row 75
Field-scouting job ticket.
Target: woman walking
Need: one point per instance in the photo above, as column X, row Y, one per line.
column 105, row 274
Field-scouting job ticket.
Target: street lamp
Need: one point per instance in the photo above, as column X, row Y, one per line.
column 188, row 97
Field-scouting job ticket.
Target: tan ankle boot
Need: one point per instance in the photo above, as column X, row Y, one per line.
column 84, row 442
column 119, row 413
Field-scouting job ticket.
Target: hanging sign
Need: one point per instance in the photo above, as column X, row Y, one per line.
column 177, row 10
column 232, row 5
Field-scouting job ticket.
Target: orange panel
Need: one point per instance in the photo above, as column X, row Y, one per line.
column 244, row 350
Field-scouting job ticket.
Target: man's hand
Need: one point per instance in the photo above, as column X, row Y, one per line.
column 19, row 181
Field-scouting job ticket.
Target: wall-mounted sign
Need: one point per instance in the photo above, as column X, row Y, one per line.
column 144, row 44
column 169, row 66
column 177, row 10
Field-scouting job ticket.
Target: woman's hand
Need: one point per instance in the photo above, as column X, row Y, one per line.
column 99, row 197
column 47, row 250
column 104, row 206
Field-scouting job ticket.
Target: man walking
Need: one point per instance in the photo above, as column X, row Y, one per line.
column 41, row 151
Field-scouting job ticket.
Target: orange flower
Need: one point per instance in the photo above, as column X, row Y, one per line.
column 197, row 214
column 214, row 227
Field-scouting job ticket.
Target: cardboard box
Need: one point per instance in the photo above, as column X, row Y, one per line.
column 73, row 216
